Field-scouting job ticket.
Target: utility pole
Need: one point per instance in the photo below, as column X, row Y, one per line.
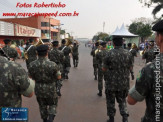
column 103, row 26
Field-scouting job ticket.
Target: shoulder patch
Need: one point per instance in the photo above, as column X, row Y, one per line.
column 139, row 75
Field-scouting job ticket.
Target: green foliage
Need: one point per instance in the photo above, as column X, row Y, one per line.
column 100, row 36
column 62, row 31
column 157, row 8
column 141, row 28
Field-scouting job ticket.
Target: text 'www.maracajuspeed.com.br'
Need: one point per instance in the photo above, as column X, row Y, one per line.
column 41, row 14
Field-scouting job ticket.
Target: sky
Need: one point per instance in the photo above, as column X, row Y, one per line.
column 92, row 14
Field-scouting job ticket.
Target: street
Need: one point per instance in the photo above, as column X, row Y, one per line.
column 79, row 101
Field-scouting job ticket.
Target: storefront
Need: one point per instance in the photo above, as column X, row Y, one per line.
column 18, row 33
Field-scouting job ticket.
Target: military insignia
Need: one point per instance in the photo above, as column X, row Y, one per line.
column 139, row 75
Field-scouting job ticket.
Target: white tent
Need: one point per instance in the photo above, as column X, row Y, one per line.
column 123, row 32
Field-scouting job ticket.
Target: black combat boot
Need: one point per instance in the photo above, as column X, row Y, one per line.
column 125, row 118
column 51, row 118
column 100, row 93
column 95, row 77
column 59, row 93
column 66, row 76
column 111, row 119
column 45, row 120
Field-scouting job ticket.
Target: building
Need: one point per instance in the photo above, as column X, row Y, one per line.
column 18, row 33
column 50, row 28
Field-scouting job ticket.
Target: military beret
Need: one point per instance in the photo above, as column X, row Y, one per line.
column 158, row 26
column 31, row 40
column 55, row 42
column 6, row 41
column 63, row 41
column 42, row 48
column 97, row 43
column 103, row 43
column 117, row 38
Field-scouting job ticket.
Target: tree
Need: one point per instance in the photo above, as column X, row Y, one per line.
column 158, row 7
column 62, row 32
column 100, row 36
column 141, row 28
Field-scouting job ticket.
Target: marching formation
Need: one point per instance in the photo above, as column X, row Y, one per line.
column 49, row 65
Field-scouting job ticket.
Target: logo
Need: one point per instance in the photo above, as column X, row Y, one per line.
column 14, row 114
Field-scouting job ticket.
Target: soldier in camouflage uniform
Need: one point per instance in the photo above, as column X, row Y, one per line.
column 14, row 82
column 134, row 54
column 117, row 63
column 66, row 64
column 149, row 55
column 57, row 56
column 149, row 82
column 12, row 53
column 31, row 52
column 100, row 57
column 46, row 74
column 95, row 63
column 75, row 54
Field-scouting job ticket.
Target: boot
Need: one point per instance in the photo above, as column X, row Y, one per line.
column 45, row 120
column 76, row 64
column 111, row 119
column 59, row 93
column 125, row 119
column 95, row 77
column 66, row 76
column 51, row 118
column 100, row 93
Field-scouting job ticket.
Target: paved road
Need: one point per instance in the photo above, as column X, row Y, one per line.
column 79, row 101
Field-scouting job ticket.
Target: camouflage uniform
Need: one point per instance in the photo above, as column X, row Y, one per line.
column 66, row 64
column 95, row 62
column 149, row 55
column 57, row 56
column 12, row 53
column 13, row 83
column 75, row 55
column 45, row 72
column 145, row 88
column 118, row 63
column 32, row 55
column 134, row 54
column 100, row 57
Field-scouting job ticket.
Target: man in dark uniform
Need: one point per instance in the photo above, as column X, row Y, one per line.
column 149, row 54
column 12, row 53
column 57, row 56
column 117, row 63
column 30, row 50
column 14, row 82
column 75, row 54
column 100, row 57
column 132, row 49
column 66, row 64
column 95, row 63
column 46, row 74
column 149, row 82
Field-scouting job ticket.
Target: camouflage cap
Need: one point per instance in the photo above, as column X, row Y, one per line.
column 6, row 41
column 97, row 43
column 42, row 48
column 63, row 41
column 55, row 42
column 158, row 26
column 103, row 43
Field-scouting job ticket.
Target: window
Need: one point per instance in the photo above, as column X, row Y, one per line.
column 44, row 31
column 45, row 24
